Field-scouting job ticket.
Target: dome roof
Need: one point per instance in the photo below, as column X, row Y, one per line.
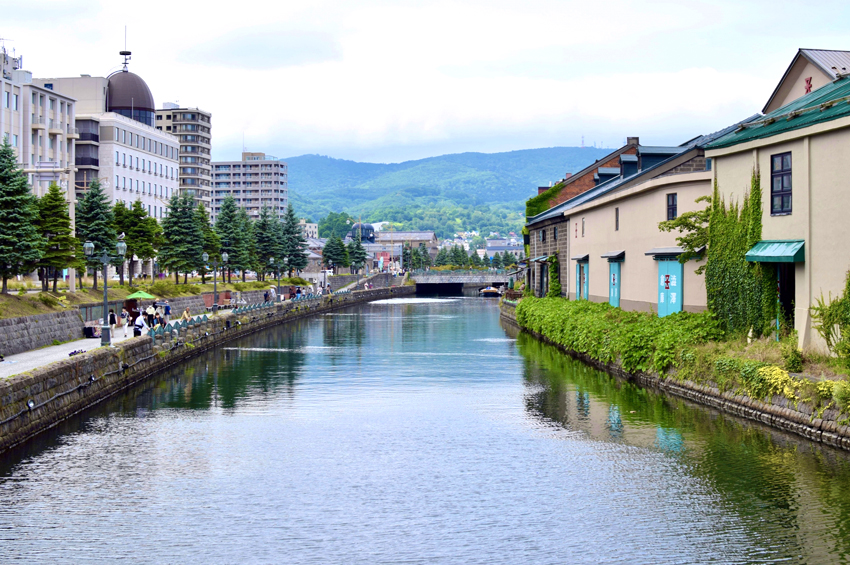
column 126, row 91
column 364, row 227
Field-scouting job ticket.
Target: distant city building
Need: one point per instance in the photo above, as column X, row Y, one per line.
column 193, row 130
column 257, row 180
column 309, row 229
column 365, row 231
column 118, row 143
column 412, row 238
column 39, row 124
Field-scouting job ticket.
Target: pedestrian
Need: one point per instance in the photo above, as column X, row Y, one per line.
column 266, row 296
column 125, row 320
column 297, row 292
column 151, row 311
column 112, row 321
column 140, row 326
column 167, row 312
column 186, row 315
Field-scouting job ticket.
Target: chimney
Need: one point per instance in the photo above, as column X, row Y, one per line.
column 567, row 175
column 632, row 141
column 542, row 189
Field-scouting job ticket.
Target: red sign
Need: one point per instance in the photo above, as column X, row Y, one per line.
column 666, row 282
column 808, row 85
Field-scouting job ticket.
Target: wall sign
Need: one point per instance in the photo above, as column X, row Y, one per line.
column 669, row 286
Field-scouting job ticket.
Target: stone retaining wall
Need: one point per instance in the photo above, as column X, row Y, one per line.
column 31, row 332
column 39, row 399
column 779, row 413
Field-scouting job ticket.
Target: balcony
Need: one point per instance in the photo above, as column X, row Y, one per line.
column 72, row 132
column 38, row 123
column 88, row 136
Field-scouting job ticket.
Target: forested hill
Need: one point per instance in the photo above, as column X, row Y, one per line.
column 464, row 191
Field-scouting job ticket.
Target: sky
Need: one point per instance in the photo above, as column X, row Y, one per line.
column 385, row 81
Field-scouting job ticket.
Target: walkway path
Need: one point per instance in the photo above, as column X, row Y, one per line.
column 29, row 360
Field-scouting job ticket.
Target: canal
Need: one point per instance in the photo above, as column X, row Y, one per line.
column 414, row 431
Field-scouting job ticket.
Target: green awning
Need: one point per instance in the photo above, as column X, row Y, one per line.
column 778, row 251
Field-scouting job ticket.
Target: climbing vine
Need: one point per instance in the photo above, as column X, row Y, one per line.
column 740, row 293
column 554, row 277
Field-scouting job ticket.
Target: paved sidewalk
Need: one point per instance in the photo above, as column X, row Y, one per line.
column 29, row 360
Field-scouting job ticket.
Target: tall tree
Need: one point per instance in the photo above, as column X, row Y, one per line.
column 182, row 238
column 20, row 243
column 474, row 259
column 141, row 233
column 247, row 255
column 267, row 237
column 227, row 228
column 426, row 257
column 294, row 242
column 356, row 253
column 442, row 257
column 497, row 261
column 95, row 223
column 334, row 253
column 121, row 218
column 212, row 243
column 61, row 250
column 335, row 223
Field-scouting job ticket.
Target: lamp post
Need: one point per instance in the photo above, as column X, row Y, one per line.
column 206, row 258
column 121, row 249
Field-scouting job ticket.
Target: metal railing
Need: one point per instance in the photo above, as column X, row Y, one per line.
column 456, row 272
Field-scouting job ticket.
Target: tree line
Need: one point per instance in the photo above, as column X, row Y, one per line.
column 36, row 234
column 458, row 257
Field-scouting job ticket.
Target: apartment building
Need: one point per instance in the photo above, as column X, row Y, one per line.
column 39, row 124
column 257, row 180
column 192, row 127
column 114, row 120
column 309, row 229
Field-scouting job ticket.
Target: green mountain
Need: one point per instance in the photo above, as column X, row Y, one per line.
column 449, row 193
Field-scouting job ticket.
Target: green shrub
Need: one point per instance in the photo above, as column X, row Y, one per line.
column 640, row 341
column 193, row 289
column 22, row 291
column 841, row 394
column 47, row 300
column 793, row 357
column 825, row 390
column 163, row 288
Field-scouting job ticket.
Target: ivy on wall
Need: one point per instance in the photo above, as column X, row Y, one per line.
column 540, row 203
column 741, row 294
column 554, row 277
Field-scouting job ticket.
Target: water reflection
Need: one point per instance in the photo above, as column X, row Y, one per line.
column 792, row 493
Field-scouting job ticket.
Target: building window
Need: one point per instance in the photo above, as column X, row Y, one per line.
column 117, row 183
column 15, row 102
column 672, row 208
column 117, row 159
column 616, row 219
column 780, row 183
column 582, row 227
column 5, row 99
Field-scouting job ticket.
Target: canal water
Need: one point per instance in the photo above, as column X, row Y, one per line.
column 414, row 431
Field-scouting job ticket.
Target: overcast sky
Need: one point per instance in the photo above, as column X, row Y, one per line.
column 390, row 81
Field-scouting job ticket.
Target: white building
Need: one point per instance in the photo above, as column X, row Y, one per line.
column 257, row 180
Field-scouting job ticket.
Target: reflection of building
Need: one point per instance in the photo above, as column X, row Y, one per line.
column 257, row 180
column 192, row 127
column 309, row 229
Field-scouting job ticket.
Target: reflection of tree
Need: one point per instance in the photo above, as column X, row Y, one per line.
column 791, row 492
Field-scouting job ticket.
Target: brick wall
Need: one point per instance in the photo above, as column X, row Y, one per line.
column 583, row 183
column 694, row 165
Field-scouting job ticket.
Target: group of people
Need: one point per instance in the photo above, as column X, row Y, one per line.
column 154, row 316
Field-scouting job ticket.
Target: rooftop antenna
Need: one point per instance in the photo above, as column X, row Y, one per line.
column 126, row 54
column 582, row 142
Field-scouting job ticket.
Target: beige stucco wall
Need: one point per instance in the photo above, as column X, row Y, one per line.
column 819, row 203
column 794, row 85
column 641, row 209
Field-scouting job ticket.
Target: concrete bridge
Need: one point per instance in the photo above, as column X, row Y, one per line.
column 459, row 281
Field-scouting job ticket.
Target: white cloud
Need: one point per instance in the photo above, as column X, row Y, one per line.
column 382, row 80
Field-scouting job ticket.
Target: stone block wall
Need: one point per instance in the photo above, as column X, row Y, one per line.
column 31, row 332
column 39, row 399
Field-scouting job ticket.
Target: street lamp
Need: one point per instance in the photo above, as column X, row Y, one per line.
column 206, row 258
column 121, row 249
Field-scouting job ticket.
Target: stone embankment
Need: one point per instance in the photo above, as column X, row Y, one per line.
column 32, row 332
column 779, row 413
column 37, row 400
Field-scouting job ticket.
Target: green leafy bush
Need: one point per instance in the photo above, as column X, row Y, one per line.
column 841, row 394
column 640, row 341
column 793, row 357
column 163, row 288
column 47, row 300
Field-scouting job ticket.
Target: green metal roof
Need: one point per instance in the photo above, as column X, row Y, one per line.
column 778, row 251
column 825, row 104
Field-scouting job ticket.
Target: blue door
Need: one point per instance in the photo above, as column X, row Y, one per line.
column 669, row 287
column 614, row 284
column 581, row 281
